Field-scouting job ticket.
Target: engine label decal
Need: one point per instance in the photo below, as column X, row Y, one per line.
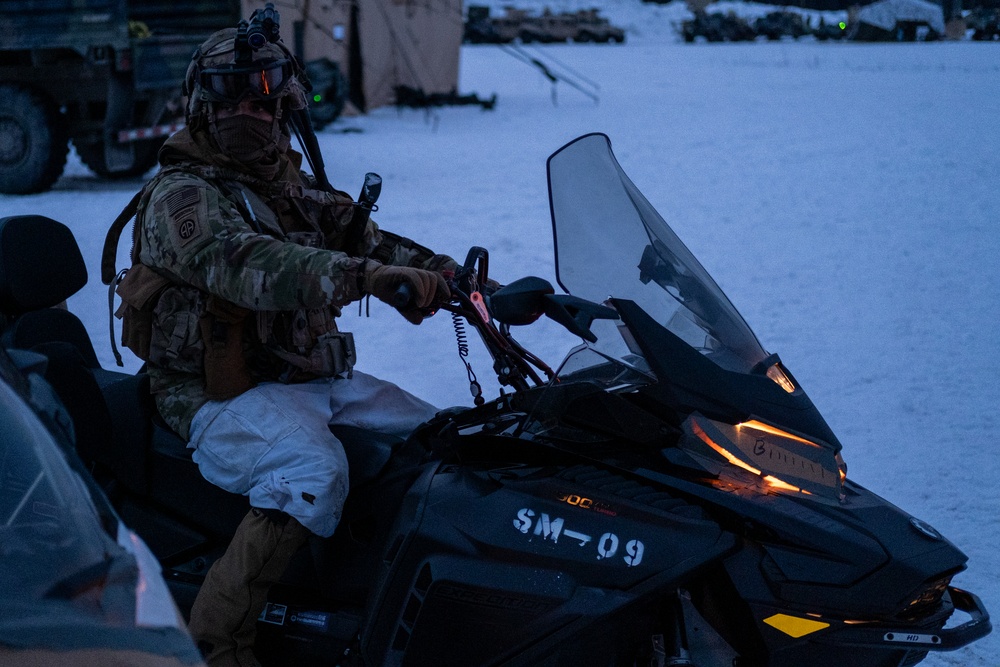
column 586, row 503
column 607, row 545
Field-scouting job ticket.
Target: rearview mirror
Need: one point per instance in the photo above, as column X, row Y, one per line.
column 526, row 299
column 521, row 302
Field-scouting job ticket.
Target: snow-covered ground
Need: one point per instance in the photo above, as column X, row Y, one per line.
column 844, row 195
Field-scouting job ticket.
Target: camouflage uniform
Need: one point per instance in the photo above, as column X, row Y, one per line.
column 225, row 242
column 240, row 266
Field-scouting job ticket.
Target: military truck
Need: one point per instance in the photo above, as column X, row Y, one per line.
column 546, row 28
column 717, row 27
column 105, row 75
column 776, row 25
column 590, row 27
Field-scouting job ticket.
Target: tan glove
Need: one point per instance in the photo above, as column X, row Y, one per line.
column 427, row 289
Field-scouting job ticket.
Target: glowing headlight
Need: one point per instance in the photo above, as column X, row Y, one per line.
column 783, row 460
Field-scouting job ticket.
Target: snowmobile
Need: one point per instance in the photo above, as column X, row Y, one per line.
column 668, row 495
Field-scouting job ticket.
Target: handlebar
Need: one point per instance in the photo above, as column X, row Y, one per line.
column 403, row 297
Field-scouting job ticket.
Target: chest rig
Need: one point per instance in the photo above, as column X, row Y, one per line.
column 306, row 340
column 242, row 347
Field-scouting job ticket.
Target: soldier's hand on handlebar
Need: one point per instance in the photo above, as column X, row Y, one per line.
column 415, row 293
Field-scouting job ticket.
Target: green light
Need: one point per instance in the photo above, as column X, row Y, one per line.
column 842, row 25
column 319, row 98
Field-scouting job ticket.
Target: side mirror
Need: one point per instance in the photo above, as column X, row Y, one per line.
column 526, row 299
column 521, row 302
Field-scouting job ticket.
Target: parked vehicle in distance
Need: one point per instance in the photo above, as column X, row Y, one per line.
column 717, row 27
column 547, row 28
column 776, row 25
column 105, row 75
column 984, row 23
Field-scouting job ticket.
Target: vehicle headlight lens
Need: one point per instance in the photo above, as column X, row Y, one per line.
column 784, row 461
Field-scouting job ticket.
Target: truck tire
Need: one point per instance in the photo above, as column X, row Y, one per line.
column 92, row 155
column 33, row 141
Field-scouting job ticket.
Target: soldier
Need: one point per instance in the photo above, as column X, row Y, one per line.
column 240, row 269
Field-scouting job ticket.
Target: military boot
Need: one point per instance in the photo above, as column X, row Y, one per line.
column 224, row 615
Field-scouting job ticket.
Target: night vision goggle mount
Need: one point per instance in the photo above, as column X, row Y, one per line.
column 264, row 26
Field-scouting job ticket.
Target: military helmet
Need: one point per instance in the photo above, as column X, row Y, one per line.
column 220, row 73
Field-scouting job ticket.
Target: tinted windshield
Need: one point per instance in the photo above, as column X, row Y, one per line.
column 49, row 527
column 610, row 242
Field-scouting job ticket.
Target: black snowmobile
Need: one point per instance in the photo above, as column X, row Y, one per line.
column 668, row 496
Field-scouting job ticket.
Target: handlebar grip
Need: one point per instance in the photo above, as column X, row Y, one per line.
column 403, row 297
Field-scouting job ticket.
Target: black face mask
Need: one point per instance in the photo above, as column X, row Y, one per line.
column 246, row 138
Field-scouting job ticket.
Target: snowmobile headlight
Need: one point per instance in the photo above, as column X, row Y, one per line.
column 927, row 596
column 783, row 461
column 781, row 378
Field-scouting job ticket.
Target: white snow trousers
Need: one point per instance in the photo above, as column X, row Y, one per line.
column 272, row 443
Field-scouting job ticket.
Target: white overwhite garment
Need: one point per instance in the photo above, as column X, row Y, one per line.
column 272, row 443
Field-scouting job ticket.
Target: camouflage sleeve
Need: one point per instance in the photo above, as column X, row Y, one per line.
column 400, row 251
column 195, row 235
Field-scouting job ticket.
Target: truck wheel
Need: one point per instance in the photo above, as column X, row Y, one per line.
column 92, row 155
column 33, row 141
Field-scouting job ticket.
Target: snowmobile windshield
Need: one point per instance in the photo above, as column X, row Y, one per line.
column 49, row 528
column 611, row 242
column 71, row 577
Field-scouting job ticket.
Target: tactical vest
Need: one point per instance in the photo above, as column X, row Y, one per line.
column 298, row 345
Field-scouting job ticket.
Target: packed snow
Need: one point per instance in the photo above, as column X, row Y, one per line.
column 844, row 196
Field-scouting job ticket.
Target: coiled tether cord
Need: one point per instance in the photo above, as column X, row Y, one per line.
column 463, row 353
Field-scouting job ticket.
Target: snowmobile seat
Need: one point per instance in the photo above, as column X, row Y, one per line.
column 40, row 267
column 175, row 482
column 51, row 325
column 153, row 461
column 367, row 452
column 40, row 264
column 69, row 375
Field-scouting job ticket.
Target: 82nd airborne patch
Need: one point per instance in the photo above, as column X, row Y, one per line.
column 186, row 211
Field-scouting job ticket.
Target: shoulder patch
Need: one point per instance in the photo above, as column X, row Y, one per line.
column 185, row 211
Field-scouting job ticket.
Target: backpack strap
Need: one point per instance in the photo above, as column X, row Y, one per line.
column 109, row 276
column 110, row 252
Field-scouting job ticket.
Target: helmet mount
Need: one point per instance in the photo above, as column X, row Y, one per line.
column 263, row 27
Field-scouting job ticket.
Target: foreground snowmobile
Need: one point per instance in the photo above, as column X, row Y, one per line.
column 668, row 496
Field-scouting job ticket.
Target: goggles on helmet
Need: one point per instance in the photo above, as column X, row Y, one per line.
column 263, row 81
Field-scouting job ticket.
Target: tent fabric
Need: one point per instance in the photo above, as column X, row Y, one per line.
column 378, row 44
column 410, row 45
column 886, row 13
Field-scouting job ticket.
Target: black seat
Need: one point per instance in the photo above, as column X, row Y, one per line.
column 40, row 264
column 40, row 267
column 367, row 452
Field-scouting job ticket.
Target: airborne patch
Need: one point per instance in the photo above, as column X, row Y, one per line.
column 186, row 213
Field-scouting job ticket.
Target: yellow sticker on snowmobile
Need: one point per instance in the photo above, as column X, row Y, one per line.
column 794, row 626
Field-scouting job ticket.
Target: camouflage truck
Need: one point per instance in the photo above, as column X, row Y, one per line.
column 546, row 28
column 105, row 75
column 590, row 27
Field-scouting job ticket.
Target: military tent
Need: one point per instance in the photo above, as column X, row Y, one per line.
column 379, row 45
column 898, row 20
